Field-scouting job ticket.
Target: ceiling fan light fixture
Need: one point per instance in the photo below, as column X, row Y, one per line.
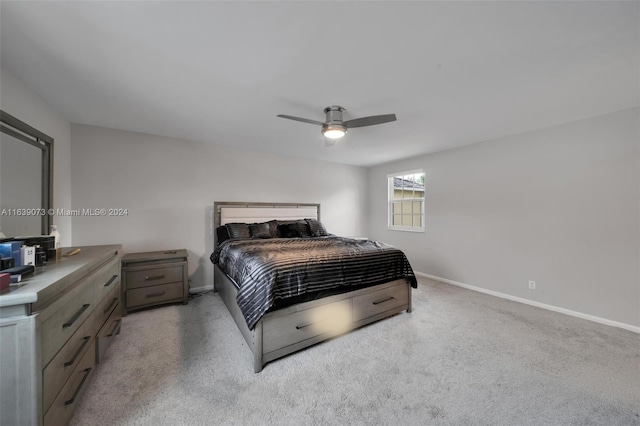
column 333, row 131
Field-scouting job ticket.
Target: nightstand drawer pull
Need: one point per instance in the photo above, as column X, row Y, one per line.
column 155, row 294
column 112, row 279
column 76, row 316
column 79, row 351
column 386, row 299
column 113, row 302
column 154, row 277
column 75, row 394
column 114, row 328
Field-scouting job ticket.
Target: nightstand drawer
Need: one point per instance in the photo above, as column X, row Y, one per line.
column 153, row 295
column 153, row 277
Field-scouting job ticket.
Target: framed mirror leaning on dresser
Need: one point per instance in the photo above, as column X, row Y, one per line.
column 26, row 178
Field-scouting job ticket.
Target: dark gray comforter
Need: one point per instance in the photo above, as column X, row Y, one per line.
column 279, row 268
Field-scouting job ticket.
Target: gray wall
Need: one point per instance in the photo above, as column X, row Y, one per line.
column 169, row 186
column 559, row 206
column 22, row 103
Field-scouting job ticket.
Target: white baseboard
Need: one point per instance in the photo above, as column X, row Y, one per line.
column 593, row 318
column 202, row 289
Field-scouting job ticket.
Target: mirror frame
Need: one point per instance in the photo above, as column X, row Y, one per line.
column 22, row 131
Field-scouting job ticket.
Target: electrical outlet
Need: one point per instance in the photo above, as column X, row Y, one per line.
column 532, row 285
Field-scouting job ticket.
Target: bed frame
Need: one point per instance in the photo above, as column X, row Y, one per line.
column 295, row 327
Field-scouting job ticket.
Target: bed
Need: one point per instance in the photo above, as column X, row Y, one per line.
column 288, row 284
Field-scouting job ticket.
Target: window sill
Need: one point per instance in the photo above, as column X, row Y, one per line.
column 406, row 229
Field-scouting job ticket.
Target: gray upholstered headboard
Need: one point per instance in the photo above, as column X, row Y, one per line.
column 234, row 211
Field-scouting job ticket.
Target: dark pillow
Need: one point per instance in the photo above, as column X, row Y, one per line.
column 260, row 230
column 289, row 230
column 316, row 228
column 238, row 230
column 302, row 225
column 222, row 233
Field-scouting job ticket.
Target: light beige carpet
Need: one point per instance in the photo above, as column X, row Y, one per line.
column 460, row 358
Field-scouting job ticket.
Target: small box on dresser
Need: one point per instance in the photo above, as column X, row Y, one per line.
column 154, row 278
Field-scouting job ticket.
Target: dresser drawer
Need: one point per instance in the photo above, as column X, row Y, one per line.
column 282, row 331
column 105, row 307
column 153, row 295
column 153, row 277
column 74, row 309
column 66, row 401
column 66, row 360
column 109, row 330
column 106, row 278
column 377, row 302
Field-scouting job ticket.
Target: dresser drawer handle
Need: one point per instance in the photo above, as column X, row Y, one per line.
column 386, row 299
column 155, row 277
column 77, row 392
column 76, row 316
column 112, row 279
column 78, row 352
column 155, row 294
column 113, row 302
column 170, row 252
column 115, row 327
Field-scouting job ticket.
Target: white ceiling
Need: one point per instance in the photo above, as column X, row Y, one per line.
column 455, row 73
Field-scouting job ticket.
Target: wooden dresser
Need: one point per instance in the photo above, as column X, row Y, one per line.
column 54, row 330
column 154, row 278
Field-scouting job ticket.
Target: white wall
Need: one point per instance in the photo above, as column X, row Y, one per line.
column 25, row 105
column 560, row 206
column 169, row 186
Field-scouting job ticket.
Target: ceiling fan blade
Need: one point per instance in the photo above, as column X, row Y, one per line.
column 329, row 141
column 304, row 120
column 370, row 121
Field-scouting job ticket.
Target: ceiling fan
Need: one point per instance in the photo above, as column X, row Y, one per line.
column 335, row 127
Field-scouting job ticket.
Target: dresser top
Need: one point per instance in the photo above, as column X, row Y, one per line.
column 152, row 256
column 55, row 277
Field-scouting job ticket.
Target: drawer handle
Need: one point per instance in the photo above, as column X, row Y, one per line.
column 76, row 316
column 170, row 252
column 154, row 277
column 113, row 302
column 301, row 326
column 78, row 352
column 112, row 279
column 114, row 328
column 386, row 299
column 155, row 295
column 77, row 392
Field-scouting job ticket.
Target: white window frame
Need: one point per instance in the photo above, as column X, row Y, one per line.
column 391, row 200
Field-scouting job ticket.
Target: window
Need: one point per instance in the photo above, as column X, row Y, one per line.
column 406, row 201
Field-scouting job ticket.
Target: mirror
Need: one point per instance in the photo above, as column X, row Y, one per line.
column 25, row 178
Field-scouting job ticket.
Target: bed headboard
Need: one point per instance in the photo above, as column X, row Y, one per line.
column 233, row 211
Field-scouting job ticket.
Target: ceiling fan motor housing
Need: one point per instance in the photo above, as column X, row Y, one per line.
column 334, row 119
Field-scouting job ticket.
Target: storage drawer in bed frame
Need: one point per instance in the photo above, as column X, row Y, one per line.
column 295, row 327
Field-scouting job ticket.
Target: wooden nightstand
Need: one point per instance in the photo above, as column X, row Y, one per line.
column 154, row 278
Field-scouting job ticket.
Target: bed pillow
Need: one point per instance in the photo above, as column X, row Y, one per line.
column 289, row 230
column 238, row 230
column 222, row 234
column 302, row 226
column 316, row 228
column 273, row 228
column 260, row 230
